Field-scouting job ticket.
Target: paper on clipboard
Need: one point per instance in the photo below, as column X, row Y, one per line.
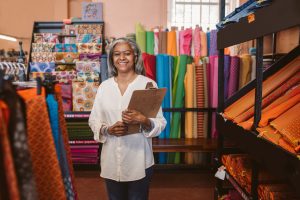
column 148, row 102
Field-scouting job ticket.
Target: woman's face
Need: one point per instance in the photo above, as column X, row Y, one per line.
column 123, row 58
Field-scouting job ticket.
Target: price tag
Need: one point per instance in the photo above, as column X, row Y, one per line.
column 251, row 18
column 220, row 174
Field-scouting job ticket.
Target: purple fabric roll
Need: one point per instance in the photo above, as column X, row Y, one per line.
column 213, row 43
column 227, row 60
column 89, row 57
column 233, row 81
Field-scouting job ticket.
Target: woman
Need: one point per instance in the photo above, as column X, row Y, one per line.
column 126, row 159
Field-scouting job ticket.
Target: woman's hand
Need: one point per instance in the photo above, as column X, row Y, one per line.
column 135, row 117
column 118, row 129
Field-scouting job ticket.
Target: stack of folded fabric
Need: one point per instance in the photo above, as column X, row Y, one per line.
column 280, row 121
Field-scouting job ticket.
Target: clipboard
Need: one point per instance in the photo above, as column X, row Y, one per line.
column 148, row 102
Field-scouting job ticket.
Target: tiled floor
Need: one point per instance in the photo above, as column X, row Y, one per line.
column 169, row 184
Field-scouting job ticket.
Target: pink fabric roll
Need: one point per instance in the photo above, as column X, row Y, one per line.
column 197, row 42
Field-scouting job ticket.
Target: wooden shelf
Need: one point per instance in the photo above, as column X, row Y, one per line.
column 280, row 15
column 184, row 145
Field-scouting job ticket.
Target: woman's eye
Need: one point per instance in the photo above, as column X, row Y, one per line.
column 127, row 53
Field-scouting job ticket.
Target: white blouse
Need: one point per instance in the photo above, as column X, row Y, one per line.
column 123, row 158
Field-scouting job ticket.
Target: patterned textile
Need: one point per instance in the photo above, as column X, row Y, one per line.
column 200, row 100
column 5, row 147
column 66, row 92
column 65, row 68
column 65, row 47
column 69, row 29
column 88, row 38
column 64, row 76
column 89, row 48
column 45, row 37
column 43, row 57
column 44, row 160
column 89, row 29
column 288, row 124
column 89, row 57
column 20, row 149
column 82, row 66
column 66, row 57
column 42, row 47
column 69, row 40
column 88, row 76
column 42, row 67
column 83, row 95
column 233, row 75
column 64, row 133
column 42, row 75
column 213, row 51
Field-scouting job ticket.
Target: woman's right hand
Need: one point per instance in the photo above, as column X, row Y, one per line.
column 118, row 129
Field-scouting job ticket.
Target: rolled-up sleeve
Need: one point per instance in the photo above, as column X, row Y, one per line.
column 97, row 119
column 158, row 125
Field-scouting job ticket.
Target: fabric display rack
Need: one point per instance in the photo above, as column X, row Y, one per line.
column 186, row 62
column 71, row 53
column 34, row 150
column 262, row 118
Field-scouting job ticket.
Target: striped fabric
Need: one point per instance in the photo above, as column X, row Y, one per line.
column 200, row 100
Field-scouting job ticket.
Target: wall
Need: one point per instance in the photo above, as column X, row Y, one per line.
column 120, row 16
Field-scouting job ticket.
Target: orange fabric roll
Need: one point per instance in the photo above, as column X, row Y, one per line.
column 188, row 85
column 245, row 102
column 289, row 94
column 269, row 133
column 200, row 96
column 171, row 43
column 8, row 161
column 288, row 124
column 45, row 164
column 278, row 110
column 269, row 98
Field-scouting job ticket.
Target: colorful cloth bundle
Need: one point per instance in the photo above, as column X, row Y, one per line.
column 89, row 48
column 65, row 47
column 42, row 67
column 83, row 95
column 43, row 57
column 94, row 29
column 66, row 57
column 88, row 38
column 45, row 37
column 42, row 47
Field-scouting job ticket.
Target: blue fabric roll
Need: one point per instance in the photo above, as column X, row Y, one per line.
column 103, row 68
column 227, row 60
column 208, row 42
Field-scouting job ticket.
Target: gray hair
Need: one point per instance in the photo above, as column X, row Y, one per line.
column 138, row 61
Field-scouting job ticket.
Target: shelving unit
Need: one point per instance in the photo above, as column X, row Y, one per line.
column 267, row 21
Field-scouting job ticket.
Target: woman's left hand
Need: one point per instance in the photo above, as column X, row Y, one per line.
column 133, row 117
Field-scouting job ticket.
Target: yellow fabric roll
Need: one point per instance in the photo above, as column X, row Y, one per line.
column 245, row 70
column 171, row 43
column 203, row 44
column 188, row 86
column 247, row 101
column 140, row 36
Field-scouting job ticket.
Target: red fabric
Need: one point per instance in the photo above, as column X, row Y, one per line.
column 150, row 65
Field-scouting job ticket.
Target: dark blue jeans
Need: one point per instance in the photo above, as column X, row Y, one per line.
column 132, row 190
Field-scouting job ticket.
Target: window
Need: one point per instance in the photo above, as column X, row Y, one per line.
column 189, row 13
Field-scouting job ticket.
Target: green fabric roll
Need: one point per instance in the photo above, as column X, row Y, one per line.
column 150, row 42
column 140, row 36
column 179, row 96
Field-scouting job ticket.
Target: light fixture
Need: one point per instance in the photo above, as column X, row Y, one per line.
column 6, row 37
